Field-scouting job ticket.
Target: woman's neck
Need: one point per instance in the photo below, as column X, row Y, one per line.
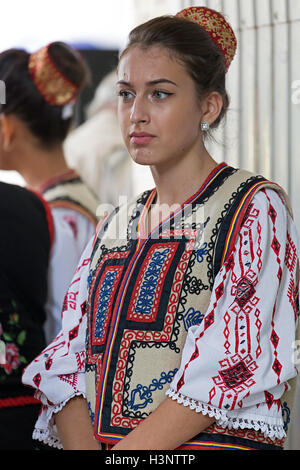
column 177, row 184
column 41, row 165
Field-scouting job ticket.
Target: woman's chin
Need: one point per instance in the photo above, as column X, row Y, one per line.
column 142, row 157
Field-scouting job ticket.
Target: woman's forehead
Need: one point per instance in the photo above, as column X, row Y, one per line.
column 148, row 64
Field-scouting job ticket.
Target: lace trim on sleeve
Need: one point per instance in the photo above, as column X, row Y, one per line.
column 274, row 430
column 45, row 430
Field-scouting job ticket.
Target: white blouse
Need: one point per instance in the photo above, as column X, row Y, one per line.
column 252, row 336
column 72, row 232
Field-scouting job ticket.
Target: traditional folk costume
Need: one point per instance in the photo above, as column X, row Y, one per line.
column 203, row 309
column 25, row 245
column 73, row 205
column 73, row 211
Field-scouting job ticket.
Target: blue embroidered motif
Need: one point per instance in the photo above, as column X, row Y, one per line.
column 286, row 416
column 90, row 278
column 202, row 252
column 192, row 317
column 141, row 396
column 91, row 413
column 149, row 284
column 103, row 300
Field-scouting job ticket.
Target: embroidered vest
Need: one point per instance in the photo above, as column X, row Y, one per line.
column 146, row 291
column 69, row 191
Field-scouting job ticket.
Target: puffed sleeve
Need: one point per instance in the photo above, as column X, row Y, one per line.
column 58, row 372
column 235, row 367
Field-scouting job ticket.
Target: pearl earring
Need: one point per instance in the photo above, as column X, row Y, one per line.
column 205, row 126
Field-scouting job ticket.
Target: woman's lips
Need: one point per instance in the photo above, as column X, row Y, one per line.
column 141, row 138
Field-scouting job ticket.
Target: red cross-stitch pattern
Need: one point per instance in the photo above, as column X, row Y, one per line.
column 290, row 262
column 237, row 338
column 276, row 366
column 48, row 354
column 70, row 379
column 235, row 376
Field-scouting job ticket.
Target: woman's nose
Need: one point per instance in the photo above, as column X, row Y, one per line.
column 139, row 111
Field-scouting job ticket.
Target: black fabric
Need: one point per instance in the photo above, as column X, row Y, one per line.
column 16, row 427
column 24, row 259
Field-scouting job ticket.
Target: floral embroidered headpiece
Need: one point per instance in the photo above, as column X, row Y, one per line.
column 217, row 27
column 55, row 88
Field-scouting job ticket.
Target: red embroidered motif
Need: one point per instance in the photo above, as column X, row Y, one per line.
column 73, row 333
column 48, row 363
column 290, row 254
column 258, row 325
column 84, row 263
column 70, row 379
column 37, row 380
column 292, row 291
column 235, row 376
column 69, row 301
column 151, row 281
column 270, row 400
column 80, row 359
column 244, row 291
column 226, row 333
column 246, row 434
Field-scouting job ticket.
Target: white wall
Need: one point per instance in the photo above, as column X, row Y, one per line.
column 33, row 23
column 262, row 128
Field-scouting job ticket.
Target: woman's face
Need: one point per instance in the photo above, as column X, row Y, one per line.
column 159, row 111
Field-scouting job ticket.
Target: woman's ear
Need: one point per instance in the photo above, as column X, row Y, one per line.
column 211, row 107
column 6, row 131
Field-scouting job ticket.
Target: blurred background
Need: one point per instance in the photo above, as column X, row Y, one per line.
column 261, row 133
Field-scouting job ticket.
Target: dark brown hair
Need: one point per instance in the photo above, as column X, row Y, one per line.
column 193, row 47
column 24, row 100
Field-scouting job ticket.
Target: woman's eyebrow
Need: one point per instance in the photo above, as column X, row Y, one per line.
column 161, row 80
column 151, row 83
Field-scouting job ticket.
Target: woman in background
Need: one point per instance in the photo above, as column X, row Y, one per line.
column 25, row 246
column 41, row 93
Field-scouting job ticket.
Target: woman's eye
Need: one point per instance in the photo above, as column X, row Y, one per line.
column 125, row 95
column 161, row 95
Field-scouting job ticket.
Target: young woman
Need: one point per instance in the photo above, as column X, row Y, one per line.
column 184, row 349
column 41, row 91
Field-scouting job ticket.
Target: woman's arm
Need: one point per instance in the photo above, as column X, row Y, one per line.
column 168, row 427
column 74, row 426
